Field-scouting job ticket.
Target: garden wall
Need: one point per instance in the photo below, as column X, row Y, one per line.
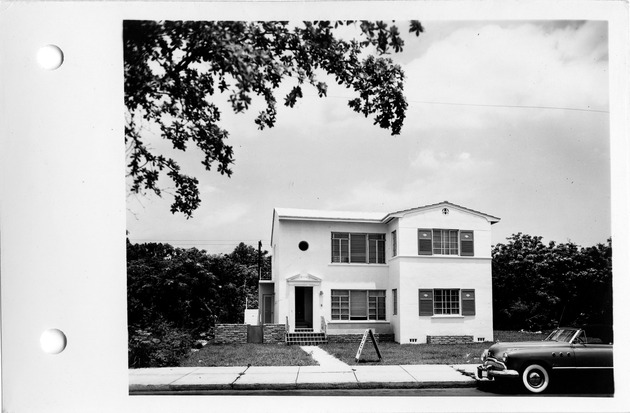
column 230, row 333
column 356, row 338
column 449, row 339
column 237, row 333
column 273, row 333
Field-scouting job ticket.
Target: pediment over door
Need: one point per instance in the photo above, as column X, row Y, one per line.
column 304, row 279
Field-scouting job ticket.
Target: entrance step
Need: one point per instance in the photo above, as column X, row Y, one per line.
column 306, row 338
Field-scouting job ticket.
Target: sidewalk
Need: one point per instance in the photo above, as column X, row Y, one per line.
column 331, row 373
column 340, row 376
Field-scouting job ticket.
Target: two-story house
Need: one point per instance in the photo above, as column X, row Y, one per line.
column 418, row 274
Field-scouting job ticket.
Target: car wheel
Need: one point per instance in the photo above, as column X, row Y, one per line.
column 535, row 378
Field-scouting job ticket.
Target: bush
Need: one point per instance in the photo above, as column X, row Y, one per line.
column 159, row 346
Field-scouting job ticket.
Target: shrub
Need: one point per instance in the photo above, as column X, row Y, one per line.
column 161, row 346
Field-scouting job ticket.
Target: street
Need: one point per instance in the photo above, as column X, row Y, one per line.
column 485, row 390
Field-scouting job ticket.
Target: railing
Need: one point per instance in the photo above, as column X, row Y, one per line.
column 265, row 277
column 324, row 325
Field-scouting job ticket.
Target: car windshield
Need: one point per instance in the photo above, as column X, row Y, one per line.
column 561, row 334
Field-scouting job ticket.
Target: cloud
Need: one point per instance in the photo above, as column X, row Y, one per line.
column 508, row 65
column 429, row 159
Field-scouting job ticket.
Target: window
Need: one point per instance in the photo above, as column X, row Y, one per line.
column 340, row 244
column 445, row 242
column 395, row 301
column 357, row 305
column 394, row 244
column 358, row 248
column 446, row 302
column 449, row 301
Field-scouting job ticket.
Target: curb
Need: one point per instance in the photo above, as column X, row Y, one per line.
column 174, row 389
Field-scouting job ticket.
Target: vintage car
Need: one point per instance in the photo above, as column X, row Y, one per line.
column 537, row 363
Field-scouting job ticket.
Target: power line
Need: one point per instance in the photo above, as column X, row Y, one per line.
column 509, row 106
column 427, row 102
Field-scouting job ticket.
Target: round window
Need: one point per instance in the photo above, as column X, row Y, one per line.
column 303, row 245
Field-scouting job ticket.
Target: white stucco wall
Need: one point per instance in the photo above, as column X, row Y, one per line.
column 457, row 273
column 407, row 272
column 316, row 261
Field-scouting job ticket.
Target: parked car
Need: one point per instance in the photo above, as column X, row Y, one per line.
column 538, row 363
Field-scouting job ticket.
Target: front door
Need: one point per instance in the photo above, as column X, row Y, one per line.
column 303, row 307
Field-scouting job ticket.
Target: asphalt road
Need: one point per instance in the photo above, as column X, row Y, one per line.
column 483, row 390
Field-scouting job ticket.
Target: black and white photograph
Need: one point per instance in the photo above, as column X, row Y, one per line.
column 357, row 206
column 301, row 190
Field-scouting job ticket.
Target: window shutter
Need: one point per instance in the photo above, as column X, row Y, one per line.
column 358, row 248
column 424, row 242
column 394, row 244
column 467, row 243
column 468, row 302
column 358, row 305
column 426, row 302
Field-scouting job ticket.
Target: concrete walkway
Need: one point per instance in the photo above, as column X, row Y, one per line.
column 338, row 376
column 324, row 359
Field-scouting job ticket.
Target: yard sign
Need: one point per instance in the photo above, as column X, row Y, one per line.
column 365, row 335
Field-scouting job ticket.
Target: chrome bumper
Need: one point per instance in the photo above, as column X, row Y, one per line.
column 487, row 372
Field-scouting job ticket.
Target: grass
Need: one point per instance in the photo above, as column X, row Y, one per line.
column 393, row 353
column 213, row 355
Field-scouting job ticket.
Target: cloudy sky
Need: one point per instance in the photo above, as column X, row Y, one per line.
column 508, row 118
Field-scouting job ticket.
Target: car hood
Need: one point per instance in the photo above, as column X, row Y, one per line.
column 499, row 348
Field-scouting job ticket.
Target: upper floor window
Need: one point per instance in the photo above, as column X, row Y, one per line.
column 353, row 247
column 445, row 242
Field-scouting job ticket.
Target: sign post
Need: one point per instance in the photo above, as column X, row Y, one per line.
column 363, row 340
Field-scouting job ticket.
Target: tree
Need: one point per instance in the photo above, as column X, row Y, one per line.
column 176, row 294
column 174, row 71
column 537, row 286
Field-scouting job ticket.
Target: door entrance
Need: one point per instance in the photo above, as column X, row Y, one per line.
column 267, row 308
column 304, row 307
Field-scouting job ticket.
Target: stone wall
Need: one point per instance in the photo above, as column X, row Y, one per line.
column 273, row 333
column 356, row 338
column 230, row 333
column 449, row 339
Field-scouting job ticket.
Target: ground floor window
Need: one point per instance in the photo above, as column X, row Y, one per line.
column 357, row 305
column 446, row 301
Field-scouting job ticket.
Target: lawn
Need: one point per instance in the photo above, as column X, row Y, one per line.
column 213, row 355
column 393, row 353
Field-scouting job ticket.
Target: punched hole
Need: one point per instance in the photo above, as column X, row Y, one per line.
column 53, row 341
column 50, row 57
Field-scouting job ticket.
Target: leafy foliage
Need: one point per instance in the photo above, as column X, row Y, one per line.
column 538, row 286
column 175, row 295
column 175, row 71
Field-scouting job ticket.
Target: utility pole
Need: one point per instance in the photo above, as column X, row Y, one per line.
column 259, row 260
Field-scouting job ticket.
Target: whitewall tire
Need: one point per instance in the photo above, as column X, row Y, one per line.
column 535, row 378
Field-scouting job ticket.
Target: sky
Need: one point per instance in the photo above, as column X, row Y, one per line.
column 507, row 118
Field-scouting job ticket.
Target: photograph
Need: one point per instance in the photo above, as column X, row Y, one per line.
column 365, row 208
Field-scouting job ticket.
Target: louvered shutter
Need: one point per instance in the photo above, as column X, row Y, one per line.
column 358, row 248
column 425, row 242
column 425, row 302
column 467, row 243
column 358, row 305
column 468, row 302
